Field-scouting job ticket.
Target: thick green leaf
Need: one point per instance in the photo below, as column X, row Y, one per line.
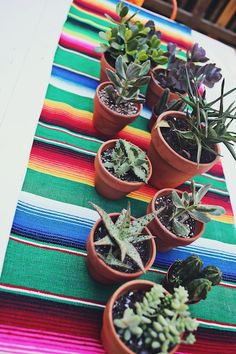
column 176, row 200
column 134, row 255
column 202, row 192
column 180, row 229
column 105, row 241
column 199, row 216
column 113, row 77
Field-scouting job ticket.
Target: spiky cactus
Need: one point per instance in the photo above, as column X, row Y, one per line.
column 127, row 157
column 189, row 273
column 159, row 320
column 122, row 236
column 163, row 106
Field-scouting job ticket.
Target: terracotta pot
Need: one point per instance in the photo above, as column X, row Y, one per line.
column 165, row 239
column 169, row 168
column 155, row 91
column 105, row 65
column 101, row 272
column 108, row 185
column 108, row 122
column 111, row 341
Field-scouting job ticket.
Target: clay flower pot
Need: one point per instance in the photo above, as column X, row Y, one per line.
column 108, row 185
column 169, row 168
column 108, row 122
column 155, row 91
column 101, row 272
column 165, row 239
column 105, row 65
column 111, row 341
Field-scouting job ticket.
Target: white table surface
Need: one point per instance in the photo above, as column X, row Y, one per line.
column 29, row 33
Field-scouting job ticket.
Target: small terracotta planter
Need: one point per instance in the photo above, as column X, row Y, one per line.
column 169, row 168
column 155, row 91
column 101, row 272
column 108, row 185
column 111, row 341
column 108, row 122
column 165, row 239
column 105, row 65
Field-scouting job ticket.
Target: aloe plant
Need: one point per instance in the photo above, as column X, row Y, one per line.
column 189, row 274
column 163, row 106
column 133, row 40
column 127, row 81
column 159, row 320
column 126, row 158
column 122, row 236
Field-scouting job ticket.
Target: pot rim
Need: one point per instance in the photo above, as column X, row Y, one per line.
column 149, row 263
column 182, row 115
column 107, row 173
column 169, row 233
column 110, row 111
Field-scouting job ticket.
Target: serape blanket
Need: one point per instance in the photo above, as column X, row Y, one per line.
column 49, row 303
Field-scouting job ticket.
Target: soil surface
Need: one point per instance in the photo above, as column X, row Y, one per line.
column 137, row 345
column 128, row 177
column 141, row 247
column 165, row 215
column 125, row 108
column 182, row 146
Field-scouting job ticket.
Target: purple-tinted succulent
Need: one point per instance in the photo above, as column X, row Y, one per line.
column 197, row 54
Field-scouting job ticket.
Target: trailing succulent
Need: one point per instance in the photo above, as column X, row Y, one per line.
column 163, row 106
column 122, row 236
column 125, row 158
column 159, row 320
column 174, row 77
column 127, row 81
column 189, row 204
column 133, row 40
column 189, row 274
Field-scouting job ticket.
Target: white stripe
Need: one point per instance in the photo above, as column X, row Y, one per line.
column 205, row 322
column 220, row 179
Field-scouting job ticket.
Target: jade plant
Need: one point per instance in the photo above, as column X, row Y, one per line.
column 122, row 236
column 133, row 40
column 128, row 158
column 163, row 106
column 159, row 321
column 189, row 274
column 127, row 81
column 196, row 63
column 189, row 204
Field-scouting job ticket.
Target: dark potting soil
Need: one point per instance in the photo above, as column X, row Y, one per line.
column 165, row 215
column 141, row 247
column 137, row 345
column 181, row 146
column 128, row 177
column 125, row 108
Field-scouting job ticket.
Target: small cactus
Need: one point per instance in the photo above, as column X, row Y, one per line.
column 198, row 289
column 213, row 274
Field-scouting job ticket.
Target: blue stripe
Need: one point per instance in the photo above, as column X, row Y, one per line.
column 76, row 78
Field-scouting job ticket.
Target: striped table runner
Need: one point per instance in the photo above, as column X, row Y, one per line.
column 49, row 303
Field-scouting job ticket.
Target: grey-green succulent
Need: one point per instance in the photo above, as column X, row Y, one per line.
column 122, row 236
column 189, row 274
column 159, row 320
column 128, row 158
column 190, row 205
column 163, row 106
column 127, row 81
column 135, row 41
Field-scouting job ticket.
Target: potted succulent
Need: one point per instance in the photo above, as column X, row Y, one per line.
column 135, row 41
column 174, row 76
column 186, row 144
column 120, row 247
column 189, row 274
column 163, row 105
column 120, row 168
column 182, row 217
column 119, row 102
column 141, row 317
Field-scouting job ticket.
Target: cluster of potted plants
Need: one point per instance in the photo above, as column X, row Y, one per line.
column 141, row 316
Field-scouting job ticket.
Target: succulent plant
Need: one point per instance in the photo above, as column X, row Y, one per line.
column 174, row 77
column 127, row 81
column 133, row 40
column 159, row 320
column 190, row 205
column 163, row 106
column 208, row 126
column 189, row 274
column 127, row 157
column 122, row 236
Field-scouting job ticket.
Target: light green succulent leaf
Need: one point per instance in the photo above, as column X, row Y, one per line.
column 136, row 239
column 176, row 200
column 122, row 169
column 111, row 260
column 211, row 209
column 180, row 229
column 105, row 241
column 198, row 215
column 114, row 78
column 141, row 174
column 134, row 255
column 201, row 193
column 138, row 225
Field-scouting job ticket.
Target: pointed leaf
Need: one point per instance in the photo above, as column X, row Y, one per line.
column 134, row 255
column 201, row 192
column 138, row 225
column 105, row 241
column 140, row 238
column 197, row 215
column 112, row 261
column 177, row 200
